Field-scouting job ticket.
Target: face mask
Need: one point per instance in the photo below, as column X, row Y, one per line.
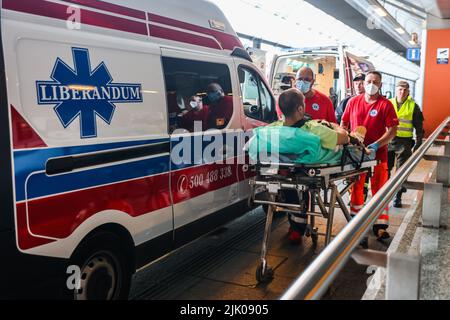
column 214, row 96
column 196, row 105
column 372, row 89
column 303, row 86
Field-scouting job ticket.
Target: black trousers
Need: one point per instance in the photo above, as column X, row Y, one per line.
column 404, row 144
column 297, row 221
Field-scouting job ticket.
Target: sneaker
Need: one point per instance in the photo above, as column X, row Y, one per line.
column 295, row 237
column 398, row 203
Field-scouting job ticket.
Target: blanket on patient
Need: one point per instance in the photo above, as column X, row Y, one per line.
column 280, row 143
column 296, row 145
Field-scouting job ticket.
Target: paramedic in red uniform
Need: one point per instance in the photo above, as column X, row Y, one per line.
column 220, row 106
column 216, row 110
column 318, row 105
column 378, row 115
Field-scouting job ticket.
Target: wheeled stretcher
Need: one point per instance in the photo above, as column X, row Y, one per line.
column 314, row 184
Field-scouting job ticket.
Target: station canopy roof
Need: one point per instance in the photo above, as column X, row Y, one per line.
column 298, row 24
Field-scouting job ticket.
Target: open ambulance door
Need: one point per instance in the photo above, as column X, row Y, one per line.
column 354, row 65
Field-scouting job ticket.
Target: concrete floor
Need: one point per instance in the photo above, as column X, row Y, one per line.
column 221, row 265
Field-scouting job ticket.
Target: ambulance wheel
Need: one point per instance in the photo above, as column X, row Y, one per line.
column 264, row 276
column 105, row 269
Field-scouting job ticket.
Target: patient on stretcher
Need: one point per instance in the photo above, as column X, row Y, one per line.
column 304, row 141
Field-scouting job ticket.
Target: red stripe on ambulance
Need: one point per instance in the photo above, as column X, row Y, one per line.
column 170, row 34
column 59, row 216
column 226, row 40
column 24, row 135
column 113, row 8
column 59, row 11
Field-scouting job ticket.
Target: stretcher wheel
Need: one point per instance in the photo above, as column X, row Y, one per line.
column 264, row 276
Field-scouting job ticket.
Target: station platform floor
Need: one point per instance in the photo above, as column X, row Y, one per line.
column 221, row 265
column 430, row 243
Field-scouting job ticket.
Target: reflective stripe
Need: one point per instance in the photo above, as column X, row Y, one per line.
column 355, row 209
column 405, row 129
column 380, row 221
column 406, row 121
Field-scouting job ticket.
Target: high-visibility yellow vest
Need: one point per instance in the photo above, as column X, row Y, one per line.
column 405, row 116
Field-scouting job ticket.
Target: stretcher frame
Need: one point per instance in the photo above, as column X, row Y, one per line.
column 315, row 179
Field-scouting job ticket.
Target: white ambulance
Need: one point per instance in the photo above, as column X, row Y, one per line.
column 334, row 69
column 94, row 101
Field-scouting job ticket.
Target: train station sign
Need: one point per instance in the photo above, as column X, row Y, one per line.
column 413, row 54
column 442, row 55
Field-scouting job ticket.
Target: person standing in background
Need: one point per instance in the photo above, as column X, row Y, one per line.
column 358, row 85
column 410, row 117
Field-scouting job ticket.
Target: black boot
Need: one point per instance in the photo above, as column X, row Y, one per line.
column 398, row 200
column 398, row 203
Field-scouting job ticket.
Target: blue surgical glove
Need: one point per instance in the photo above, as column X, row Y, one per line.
column 374, row 147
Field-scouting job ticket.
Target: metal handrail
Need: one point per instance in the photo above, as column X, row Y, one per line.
column 316, row 279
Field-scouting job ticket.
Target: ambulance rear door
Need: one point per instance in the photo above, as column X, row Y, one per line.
column 354, row 65
column 326, row 63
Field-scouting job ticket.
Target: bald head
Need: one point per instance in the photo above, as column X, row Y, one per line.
column 214, row 87
column 215, row 93
column 306, row 74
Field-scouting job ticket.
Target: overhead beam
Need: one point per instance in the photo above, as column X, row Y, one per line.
column 347, row 14
column 407, row 10
column 437, row 8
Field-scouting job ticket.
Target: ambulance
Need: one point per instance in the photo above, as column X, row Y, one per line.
column 94, row 96
column 334, row 69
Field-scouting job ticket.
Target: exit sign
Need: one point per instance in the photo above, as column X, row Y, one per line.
column 413, row 54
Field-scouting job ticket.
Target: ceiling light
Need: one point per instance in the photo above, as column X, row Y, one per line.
column 400, row 30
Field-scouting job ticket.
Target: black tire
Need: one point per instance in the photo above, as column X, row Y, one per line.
column 106, row 268
column 264, row 276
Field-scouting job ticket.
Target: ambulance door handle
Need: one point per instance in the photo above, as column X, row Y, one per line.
column 70, row 163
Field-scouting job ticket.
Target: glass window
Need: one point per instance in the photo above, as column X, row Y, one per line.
column 198, row 93
column 388, row 88
column 267, row 104
column 256, row 98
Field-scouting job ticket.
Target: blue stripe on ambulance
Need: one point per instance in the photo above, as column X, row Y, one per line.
column 29, row 161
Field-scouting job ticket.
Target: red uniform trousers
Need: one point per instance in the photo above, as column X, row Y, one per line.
column 378, row 179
